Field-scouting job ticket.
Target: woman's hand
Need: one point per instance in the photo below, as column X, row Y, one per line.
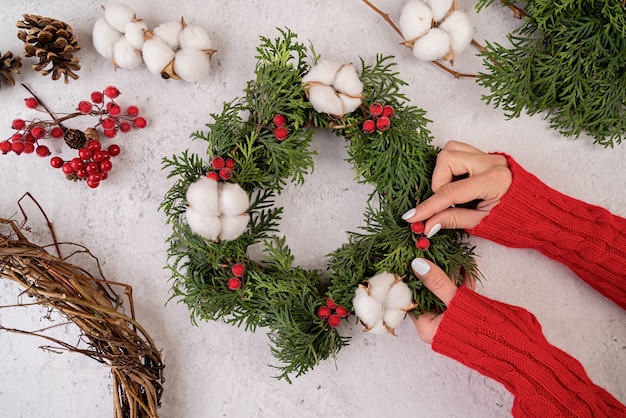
column 463, row 175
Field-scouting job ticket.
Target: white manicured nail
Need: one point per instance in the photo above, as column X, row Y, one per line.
column 408, row 214
column 420, row 266
column 436, row 228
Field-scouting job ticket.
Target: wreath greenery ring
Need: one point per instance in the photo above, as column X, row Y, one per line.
column 260, row 142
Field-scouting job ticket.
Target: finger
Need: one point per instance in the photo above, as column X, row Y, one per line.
column 426, row 325
column 454, row 145
column 454, row 163
column 434, row 279
column 453, row 218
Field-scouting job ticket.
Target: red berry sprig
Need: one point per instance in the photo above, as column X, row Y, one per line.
column 422, row 242
column 92, row 163
column 332, row 313
column 280, row 132
column 380, row 118
column 238, row 270
column 221, row 169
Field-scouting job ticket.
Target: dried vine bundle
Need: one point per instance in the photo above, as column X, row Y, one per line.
column 112, row 337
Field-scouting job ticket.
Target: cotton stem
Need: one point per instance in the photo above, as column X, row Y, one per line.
column 384, row 16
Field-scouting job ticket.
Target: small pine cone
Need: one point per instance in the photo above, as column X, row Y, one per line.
column 53, row 42
column 9, row 66
column 74, row 138
column 92, row 134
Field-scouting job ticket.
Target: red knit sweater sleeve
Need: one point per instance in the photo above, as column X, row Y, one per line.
column 506, row 343
column 588, row 239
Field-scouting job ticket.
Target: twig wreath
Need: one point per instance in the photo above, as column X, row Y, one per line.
column 223, row 203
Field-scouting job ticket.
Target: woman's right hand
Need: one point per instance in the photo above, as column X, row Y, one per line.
column 462, row 174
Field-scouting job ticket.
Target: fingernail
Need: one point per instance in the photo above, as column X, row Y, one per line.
column 436, row 228
column 408, row 214
column 420, row 266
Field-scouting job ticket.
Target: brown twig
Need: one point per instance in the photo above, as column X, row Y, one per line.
column 384, row 16
column 518, row 13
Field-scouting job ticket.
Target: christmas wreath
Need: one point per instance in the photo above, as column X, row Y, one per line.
column 223, row 202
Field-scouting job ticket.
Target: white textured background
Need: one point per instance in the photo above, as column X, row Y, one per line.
column 214, row 370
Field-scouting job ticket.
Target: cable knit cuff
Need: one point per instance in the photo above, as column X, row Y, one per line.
column 588, row 239
column 506, row 343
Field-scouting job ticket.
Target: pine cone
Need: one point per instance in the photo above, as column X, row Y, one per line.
column 53, row 42
column 75, row 138
column 8, row 67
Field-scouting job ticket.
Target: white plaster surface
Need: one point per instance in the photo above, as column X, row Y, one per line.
column 213, row 369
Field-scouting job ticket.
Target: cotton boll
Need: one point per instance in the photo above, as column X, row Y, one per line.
column 416, row 19
column 206, row 226
column 379, row 285
column 195, row 37
column 233, row 199
column 399, row 297
column 105, row 37
column 118, row 15
column 125, row 56
column 350, row 104
column 368, row 309
column 156, row 55
column 432, row 46
column 440, row 8
column 324, row 72
column 203, row 196
column 378, row 328
column 169, row 33
column 459, row 28
column 192, row 64
column 233, row 226
column 393, row 318
column 134, row 33
column 325, row 100
column 347, row 81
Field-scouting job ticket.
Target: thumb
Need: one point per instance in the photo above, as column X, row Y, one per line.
column 434, row 279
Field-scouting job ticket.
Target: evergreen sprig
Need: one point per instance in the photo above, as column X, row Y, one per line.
column 277, row 294
column 568, row 61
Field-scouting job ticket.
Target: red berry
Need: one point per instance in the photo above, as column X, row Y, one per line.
column 226, row 173
column 84, row 107
column 82, row 174
column 388, row 111
column 106, row 165
column 369, row 126
column 281, row 133
column 140, row 122
column 85, row 153
column 230, row 163
column 417, row 227
column 114, row 110
column 105, row 175
column 5, row 146
column 92, row 167
column 234, row 283
column 330, row 303
column 279, row 120
column 132, row 111
column 16, row 138
column 93, row 184
column 108, row 123
column 95, row 177
column 218, row 163
column 213, row 175
column 56, row 162
column 28, row 148
column 111, row 92
column 17, row 147
column 334, row 320
column 94, row 145
column 323, row 312
column 110, row 133
column 376, row 109
column 383, row 123
column 18, row 124
column 125, row 127
column 114, row 150
column 238, row 269
column 43, row 151
column 341, row 311
column 38, row 132
column 67, row 168
column 97, row 97
column 77, row 164
column 31, row 103
column 423, row 243
column 57, row 132
column 29, row 138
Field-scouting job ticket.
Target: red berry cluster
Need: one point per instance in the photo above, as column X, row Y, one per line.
column 112, row 119
column 332, row 312
column 280, row 132
column 422, row 242
column 92, row 164
column 380, row 118
column 222, row 169
column 235, row 282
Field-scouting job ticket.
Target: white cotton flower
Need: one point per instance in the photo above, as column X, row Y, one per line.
column 440, row 8
column 333, row 88
column 350, row 104
column 192, row 64
column 169, row 32
column 382, row 303
column 157, row 55
column 459, row 28
column 206, row 226
column 134, row 33
column 416, row 19
column 195, row 37
column 125, row 56
column 325, row 100
column 233, row 226
column 204, row 194
column 118, row 15
column 347, row 81
column 105, row 37
column 323, row 72
column 432, row 46
column 233, row 199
